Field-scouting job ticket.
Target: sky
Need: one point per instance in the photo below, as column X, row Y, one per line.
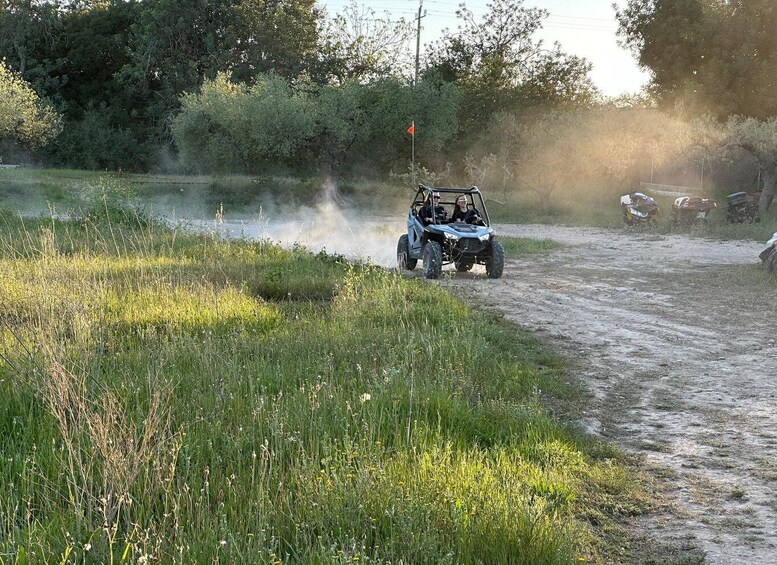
column 583, row 27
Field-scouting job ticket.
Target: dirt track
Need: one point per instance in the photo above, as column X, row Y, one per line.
column 677, row 346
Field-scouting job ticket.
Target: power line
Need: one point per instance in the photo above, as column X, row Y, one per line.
column 554, row 21
column 392, row 7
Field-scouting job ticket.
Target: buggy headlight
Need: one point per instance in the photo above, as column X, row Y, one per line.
column 451, row 236
column 484, row 237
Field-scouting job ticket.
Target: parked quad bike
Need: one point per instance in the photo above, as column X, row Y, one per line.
column 688, row 210
column 639, row 210
column 742, row 207
column 437, row 242
column 769, row 258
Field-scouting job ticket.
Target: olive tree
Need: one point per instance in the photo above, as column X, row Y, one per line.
column 24, row 117
column 759, row 139
column 229, row 127
column 359, row 45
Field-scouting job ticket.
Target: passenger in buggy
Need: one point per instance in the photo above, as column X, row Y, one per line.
column 439, row 211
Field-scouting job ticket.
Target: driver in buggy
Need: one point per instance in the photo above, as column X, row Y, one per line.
column 440, row 213
column 462, row 214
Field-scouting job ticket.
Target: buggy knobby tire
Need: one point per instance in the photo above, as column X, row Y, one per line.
column 432, row 260
column 404, row 261
column 496, row 263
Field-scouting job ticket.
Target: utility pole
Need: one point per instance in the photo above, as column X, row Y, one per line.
column 418, row 42
column 701, row 181
column 415, row 81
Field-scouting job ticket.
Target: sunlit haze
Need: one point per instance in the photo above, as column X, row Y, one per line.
column 583, row 27
column 342, row 229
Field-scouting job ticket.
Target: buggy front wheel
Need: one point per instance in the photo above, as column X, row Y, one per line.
column 496, row 263
column 403, row 254
column 432, row 260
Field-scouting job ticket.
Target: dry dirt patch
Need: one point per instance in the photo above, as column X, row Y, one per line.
column 675, row 339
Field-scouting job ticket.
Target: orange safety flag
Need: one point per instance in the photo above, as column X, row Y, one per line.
column 411, row 129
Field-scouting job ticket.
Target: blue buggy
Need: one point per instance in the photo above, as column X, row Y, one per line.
column 436, row 239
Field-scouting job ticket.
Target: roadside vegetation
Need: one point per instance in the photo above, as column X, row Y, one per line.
column 179, row 398
column 65, row 191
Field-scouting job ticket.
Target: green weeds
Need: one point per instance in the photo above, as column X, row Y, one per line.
column 517, row 246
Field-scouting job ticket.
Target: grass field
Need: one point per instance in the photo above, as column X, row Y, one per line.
column 173, row 397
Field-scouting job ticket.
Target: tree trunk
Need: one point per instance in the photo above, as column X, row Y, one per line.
column 545, row 193
column 330, row 171
column 769, row 176
column 545, row 201
column 22, row 58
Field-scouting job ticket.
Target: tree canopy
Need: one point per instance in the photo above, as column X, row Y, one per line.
column 499, row 66
column 706, row 56
column 359, row 45
column 132, row 78
column 231, row 127
column 24, row 118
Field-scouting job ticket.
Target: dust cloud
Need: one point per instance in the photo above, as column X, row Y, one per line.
column 357, row 234
column 332, row 225
column 583, row 153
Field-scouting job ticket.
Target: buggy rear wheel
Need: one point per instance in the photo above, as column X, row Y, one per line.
column 496, row 263
column 432, row 260
column 403, row 254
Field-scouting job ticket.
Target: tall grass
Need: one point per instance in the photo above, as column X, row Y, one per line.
column 518, row 246
column 178, row 398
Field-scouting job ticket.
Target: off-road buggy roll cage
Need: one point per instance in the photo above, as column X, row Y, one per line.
column 436, row 241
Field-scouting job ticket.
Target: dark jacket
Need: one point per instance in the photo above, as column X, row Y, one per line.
column 471, row 216
column 426, row 213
